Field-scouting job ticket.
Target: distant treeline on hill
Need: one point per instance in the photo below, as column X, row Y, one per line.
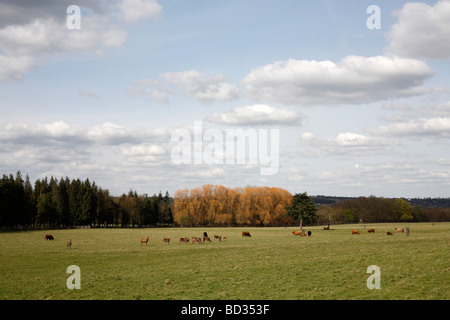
column 424, row 203
column 63, row 203
column 377, row 209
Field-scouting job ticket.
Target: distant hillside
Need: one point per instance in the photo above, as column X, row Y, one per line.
column 424, row 203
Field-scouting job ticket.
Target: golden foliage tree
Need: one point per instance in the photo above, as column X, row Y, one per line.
column 218, row 205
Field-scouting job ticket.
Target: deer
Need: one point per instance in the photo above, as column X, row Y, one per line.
column 206, row 239
column 69, row 243
column 185, row 240
column 166, row 240
column 144, row 240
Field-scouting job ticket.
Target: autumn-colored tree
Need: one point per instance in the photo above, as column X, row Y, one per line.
column 218, row 205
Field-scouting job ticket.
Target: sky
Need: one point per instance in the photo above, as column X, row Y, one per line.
column 334, row 97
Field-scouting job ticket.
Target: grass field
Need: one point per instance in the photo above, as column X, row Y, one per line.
column 271, row 265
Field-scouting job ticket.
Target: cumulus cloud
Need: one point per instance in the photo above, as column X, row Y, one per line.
column 354, row 79
column 31, row 34
column 423, row 121
column 100, row 151
column 345, row 144
column 15, row 68
column 422, row 31
column 192, row 83
column 61, row 133
column 434, row 127
column 201, row 86
column 259, row 114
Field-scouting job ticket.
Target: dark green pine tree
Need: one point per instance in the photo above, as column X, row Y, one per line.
column 302, row 209
column 75, row 198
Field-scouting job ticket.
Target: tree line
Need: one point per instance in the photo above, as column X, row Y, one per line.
column 60, row 203
column 378, row 209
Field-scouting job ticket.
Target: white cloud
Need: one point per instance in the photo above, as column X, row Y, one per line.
column 422, row 31
column 201, row 86
column 354, row 79
column 50, row 36
column 144, row 149
column 434, row 127
column 345, row 144
column 61, row 133
column 134, row 10
column 440, row 110
column 63, row 149
column 256, row 115
column 15, row 68
column 38, row 33
column 192, row 83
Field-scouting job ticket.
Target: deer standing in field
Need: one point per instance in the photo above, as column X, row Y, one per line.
column 166, row 240
column 144, row 240
column 69, row 243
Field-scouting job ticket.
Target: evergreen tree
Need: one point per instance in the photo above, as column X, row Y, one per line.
column 302, row 209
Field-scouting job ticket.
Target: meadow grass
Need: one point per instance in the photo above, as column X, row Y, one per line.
column 271, row 265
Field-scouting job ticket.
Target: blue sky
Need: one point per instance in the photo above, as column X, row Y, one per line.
column 360, row 112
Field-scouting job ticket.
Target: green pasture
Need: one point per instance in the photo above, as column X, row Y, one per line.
column 271, row 265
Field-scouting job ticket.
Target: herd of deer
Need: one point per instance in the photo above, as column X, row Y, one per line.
column 165, row 240
column 186, row 239
column 220, row 238
column 387, row 232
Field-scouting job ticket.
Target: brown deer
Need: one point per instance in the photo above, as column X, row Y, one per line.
column 206, row 239
column 185, row 240
column 196, row 240
column 144, row 240
column 69, row 243
column 166, row 240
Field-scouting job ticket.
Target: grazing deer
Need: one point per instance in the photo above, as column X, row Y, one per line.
column 144, row 240
column 206, row 239
column 69, row 243
column 185, row 240
column 49, row 237
column 217, row 237
column 355, row 232
column 389, row 233
column 196, row 240
column 166, row 240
